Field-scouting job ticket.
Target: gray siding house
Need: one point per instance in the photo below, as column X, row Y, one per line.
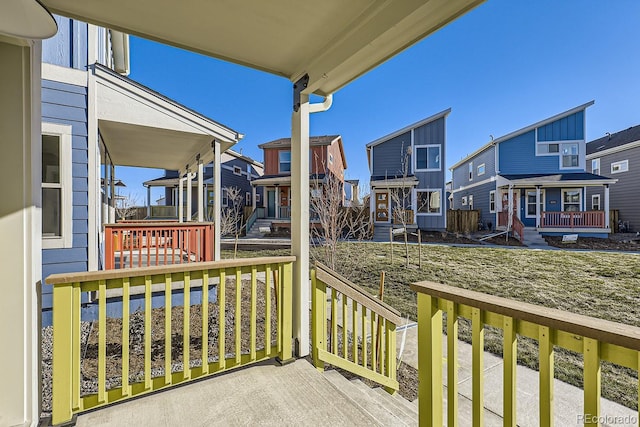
column 408, row 176
column 617, row 156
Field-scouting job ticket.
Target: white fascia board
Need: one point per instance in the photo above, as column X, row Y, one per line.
column 613, row 150
column 67, row 75
column 422, row 122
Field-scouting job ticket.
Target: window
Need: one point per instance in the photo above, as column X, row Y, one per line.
column 470, row 201
column 569, row 155
column 480, row 170
column 427, row 158
column 464, row 200
column 247, row 198
column 284, row 158
column 57, row 220
column 471, row 171
column 595, row 202
column 571, row 200
column 595, row 166
column 618, row 167
column 237, row 170
column 531, row 203
column 492, row 201
column 429, row 202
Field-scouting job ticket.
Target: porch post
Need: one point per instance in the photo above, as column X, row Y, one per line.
column 537, row 206
column 148, row 201
column 200, row 191
column 217, row 200
column 300, row 221
column 606, row 206
column 189, row 194
column 180, row 200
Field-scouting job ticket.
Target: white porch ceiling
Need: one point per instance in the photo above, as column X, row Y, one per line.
column 334, row 41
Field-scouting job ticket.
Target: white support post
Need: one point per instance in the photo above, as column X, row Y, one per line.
column 189, row 195
column 200, row 192
column 538, row 213
column 300, row 223
column 180, row 201
column 606, row 206
column 217, row 200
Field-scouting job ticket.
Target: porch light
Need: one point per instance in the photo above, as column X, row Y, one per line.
column 27, row 19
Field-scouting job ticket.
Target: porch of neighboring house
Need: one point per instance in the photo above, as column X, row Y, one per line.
column 553, row 204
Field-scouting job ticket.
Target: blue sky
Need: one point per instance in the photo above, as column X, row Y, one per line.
column 503, row 66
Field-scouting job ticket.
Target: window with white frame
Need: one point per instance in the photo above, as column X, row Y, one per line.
column 480, row 169
column 595, row 202
column 429, row 202
column 571, row 200
column 595, row 166
column 57, row 209
column 618, row 167
column 284, row 161
column 237, row 170
column 492, row 201
column 247, row 198
column 530, row 202
column 471, row 171
column 464, row 200
column 427, row 158
column 570, row 157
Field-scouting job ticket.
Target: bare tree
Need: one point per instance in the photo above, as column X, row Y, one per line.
column 232, row 215
column 125, row 205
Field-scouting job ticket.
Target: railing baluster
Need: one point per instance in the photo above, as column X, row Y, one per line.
column 102, row 340
column 345, row 344
column 477, row 340
column 364, row 336
column 167, row 329
column 221, row 319
column 186, row 327
column 125, row 336
column 205, row 321
column 147, row 332
column 354, row 330
column 254, row 311
column 267, row 310
column 510, row 357
column 334, row 321
column 452, row 364
column 75, row 355
column 591, row 381
column 546, row 375
column 429, row 361
column 238, row 315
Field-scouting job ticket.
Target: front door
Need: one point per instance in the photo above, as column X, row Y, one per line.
column 382, row 206
column 271, row 204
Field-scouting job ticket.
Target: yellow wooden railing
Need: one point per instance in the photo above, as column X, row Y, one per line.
column 597, row 340
column 275, row 275
column 368, row 335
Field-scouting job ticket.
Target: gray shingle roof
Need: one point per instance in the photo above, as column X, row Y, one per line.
column 617, row 139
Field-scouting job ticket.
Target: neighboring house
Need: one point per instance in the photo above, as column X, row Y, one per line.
column 408, row 176
column 617, row 156
column 326, row 159
column 93, row 118
column 534, row 177
column 237, row 171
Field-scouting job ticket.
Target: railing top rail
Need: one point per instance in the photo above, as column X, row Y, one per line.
column 157, row 223
column 602, row 330
column 56, row 279
column 355, row 292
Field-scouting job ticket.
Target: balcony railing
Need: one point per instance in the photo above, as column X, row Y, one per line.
column 580, row 219
column 597, row 340
column 366, row 343
column 223, row 286
column 144, row 244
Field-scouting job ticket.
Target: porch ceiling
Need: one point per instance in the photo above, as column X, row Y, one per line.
column 334, row 41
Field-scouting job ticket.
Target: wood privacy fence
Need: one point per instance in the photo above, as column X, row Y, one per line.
column 462, row 221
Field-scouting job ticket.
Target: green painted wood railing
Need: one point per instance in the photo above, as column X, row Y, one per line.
column 275, row 275
column 366, row 343
column 598, row 340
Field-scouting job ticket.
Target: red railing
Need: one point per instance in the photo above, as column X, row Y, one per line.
column 143, row 244
column 580, row 219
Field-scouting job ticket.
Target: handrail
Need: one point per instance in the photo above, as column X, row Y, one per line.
column 373, row 355
column 224, row 286
column 598, row 340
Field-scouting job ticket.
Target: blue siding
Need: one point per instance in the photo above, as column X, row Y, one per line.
column 388, row 156
column 68, row 48
column 565, row 129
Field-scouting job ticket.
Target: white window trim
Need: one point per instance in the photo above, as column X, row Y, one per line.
column 66, row 185
column 596, row 162
column 492, row 192
column 594, row 197
column 427, row 146
column 424, row 190
column 624, row 166
column 483, row 166
column 562, row 197
column 280, row 162
column 526, row 202
column 238, row 169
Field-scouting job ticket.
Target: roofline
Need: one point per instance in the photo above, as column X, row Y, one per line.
column 523, row 130
column 612, row 150
column 385, row 138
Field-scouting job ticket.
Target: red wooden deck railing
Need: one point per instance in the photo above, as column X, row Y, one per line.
column 580, row 219
column 143, row 244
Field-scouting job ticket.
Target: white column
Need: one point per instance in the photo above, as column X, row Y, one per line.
column 300, row 224
column 606, row 206
column 217, row 200
column 200, row 192
column 538, row 206
column 148, row 201
column 180, row 201
column 20, row 228
column 189, row 195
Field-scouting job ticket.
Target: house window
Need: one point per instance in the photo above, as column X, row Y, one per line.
column 480, row 169
column 569, row 155
column 471, row 171
column 464, row 200
column 618, row 167
column 595, row 202
column 595, row 166
column 571, row 200
column 237, row 170
column 427, row 158
column 284, row 158
column 492, row 201
column 429, row 202
column 247, row 198
column 531, row 203
column 470, row 201
column 57, row 217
